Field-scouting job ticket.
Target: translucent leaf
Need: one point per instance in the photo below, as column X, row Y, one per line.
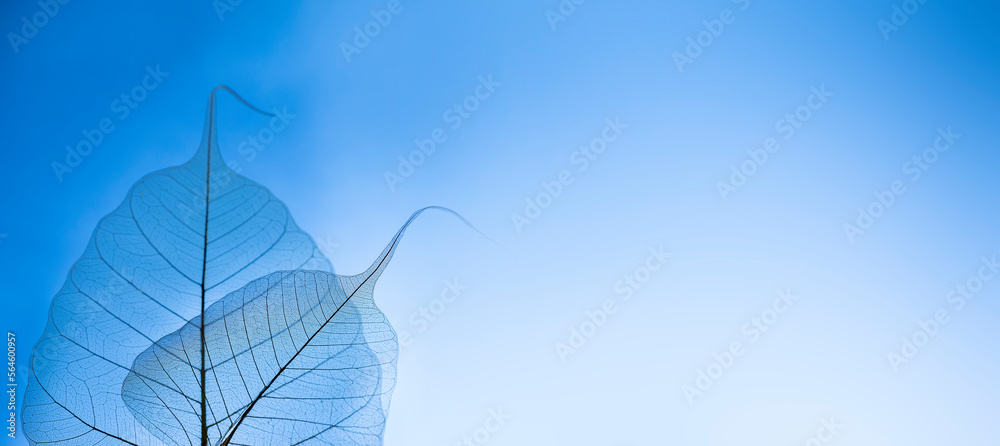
column 183, row 238
column 295, row 357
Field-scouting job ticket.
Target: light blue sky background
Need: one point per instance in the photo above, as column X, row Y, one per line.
column 654, row 186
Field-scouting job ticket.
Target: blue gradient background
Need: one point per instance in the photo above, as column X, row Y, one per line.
column 655, row 185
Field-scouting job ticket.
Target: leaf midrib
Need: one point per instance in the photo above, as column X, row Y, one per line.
column 204, row 266
column 243, row 416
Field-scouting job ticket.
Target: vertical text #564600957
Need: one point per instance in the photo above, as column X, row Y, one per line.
column 11, row 385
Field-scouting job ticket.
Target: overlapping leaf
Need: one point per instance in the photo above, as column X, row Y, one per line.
column 295, row 357
column 183, row 238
